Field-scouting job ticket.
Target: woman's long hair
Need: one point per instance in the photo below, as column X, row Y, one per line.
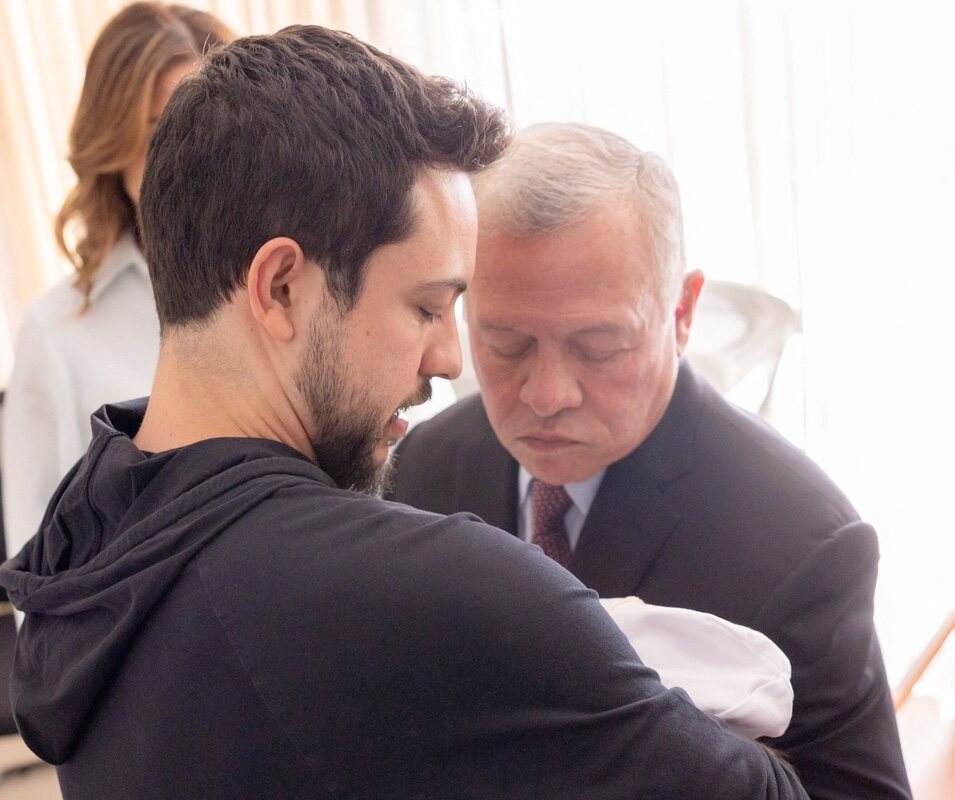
column 111, row 125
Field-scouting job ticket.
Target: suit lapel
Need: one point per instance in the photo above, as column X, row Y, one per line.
column 627, row 525
column 488, row 484
column 632, row 516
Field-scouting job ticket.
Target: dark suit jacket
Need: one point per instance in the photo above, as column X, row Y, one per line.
column 716, row 512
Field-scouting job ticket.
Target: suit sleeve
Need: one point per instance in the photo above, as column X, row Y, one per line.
column 844, row 742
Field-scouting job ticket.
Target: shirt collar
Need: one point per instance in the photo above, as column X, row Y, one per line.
column 123, row 256
column 582, row 492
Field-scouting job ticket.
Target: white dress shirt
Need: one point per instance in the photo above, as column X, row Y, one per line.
column 582, row 494
column 66, row 366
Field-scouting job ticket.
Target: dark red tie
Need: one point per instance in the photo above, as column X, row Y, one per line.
column 550, row 506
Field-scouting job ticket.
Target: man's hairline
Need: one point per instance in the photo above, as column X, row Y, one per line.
column 494, row 225
column 195, row 325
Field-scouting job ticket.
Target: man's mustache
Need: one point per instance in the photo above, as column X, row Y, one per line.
column 423, row 395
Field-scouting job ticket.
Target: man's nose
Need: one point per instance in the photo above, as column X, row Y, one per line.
column 442, row 359
column 551, row 385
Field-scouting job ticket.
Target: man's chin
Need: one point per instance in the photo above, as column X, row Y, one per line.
column 554, row 469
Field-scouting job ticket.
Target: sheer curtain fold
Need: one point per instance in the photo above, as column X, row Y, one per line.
column 29, row 155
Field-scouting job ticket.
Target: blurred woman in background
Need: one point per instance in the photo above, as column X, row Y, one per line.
column 94, row 337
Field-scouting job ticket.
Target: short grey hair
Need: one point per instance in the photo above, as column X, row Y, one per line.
column 558, row 174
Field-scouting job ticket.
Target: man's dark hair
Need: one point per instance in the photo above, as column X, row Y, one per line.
column 309, row 134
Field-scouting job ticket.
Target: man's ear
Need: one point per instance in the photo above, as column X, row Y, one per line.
column 689, row 295
column 278, row 265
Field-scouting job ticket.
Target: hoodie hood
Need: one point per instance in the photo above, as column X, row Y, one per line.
column 120, row 529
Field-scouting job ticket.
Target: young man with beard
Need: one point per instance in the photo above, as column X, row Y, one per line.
column 212, row 607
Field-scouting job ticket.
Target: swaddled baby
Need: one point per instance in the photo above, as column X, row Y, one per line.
column 729, row 671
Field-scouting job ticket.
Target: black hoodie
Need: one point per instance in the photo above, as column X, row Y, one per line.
column 222, row 621
column 118, row 533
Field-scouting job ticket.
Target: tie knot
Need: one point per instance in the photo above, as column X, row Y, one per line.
column 550, row 505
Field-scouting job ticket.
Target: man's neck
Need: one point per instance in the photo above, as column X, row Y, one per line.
column 198, row 397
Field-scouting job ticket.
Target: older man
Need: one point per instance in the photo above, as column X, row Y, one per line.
column 593, row 439
column 212, row 609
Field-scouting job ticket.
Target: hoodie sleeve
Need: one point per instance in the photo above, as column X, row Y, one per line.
column 464, row 663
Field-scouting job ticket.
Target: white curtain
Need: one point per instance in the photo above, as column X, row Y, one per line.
column 814, row 143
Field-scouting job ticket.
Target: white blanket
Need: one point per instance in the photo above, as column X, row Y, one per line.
column 729, row 671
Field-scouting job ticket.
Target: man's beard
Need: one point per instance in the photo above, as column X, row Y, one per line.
column 347, row 425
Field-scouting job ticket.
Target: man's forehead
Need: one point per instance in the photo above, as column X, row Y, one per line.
column 442, row 193
column 529, row 297
column 572, row 280
column 436, row 252
column 587, row 254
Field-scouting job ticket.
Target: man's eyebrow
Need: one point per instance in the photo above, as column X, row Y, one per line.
column 607, row 327
column 493, row 326
column 456, row 284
